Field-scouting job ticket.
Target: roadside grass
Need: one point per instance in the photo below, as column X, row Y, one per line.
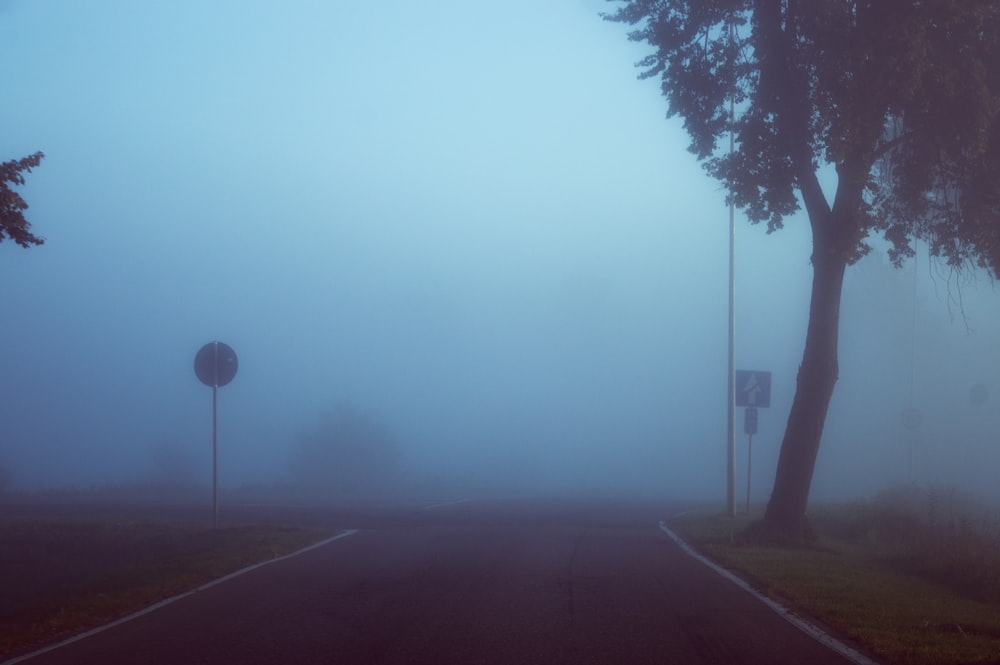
column 908, row 587
column 59, row 578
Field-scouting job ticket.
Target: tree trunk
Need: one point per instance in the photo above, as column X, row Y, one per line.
column 836, row 234
column 817, row 376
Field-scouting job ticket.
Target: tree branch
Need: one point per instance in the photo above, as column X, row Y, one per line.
column 899, row 139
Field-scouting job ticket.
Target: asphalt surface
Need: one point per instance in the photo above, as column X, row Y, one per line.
column 505, row 582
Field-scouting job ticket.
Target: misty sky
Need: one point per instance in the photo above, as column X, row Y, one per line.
column 469, row 220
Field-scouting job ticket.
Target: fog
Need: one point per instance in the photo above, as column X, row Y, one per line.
column 467, row 222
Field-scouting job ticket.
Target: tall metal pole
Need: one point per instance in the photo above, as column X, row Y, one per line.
column 731, row 394
column 910, row 431
column 215, row 456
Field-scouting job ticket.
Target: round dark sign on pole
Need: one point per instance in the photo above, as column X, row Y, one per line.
column 215, row 364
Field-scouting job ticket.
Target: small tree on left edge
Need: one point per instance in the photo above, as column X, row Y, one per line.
column 13, row 225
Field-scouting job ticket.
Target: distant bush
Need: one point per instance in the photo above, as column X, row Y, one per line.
column 173, row 465
column 346, row 453
column 945, row 535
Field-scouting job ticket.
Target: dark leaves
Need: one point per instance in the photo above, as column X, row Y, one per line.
column 13, row 225
column 820, row 81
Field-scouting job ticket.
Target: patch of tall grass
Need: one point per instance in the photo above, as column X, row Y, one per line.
column 945, row 535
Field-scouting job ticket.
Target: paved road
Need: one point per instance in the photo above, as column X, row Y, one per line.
column 514, row 582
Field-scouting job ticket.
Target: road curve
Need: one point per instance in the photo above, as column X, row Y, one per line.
column 511, row 582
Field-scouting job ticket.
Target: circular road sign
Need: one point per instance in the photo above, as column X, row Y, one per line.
column 215, row 364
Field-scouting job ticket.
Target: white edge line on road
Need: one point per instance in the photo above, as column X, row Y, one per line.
column 813, row 631
column 174, row 599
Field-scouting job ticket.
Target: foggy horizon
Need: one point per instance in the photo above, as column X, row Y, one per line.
column 473, row 225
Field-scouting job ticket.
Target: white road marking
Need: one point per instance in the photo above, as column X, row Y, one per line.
column 174, row 599
column 809, row 629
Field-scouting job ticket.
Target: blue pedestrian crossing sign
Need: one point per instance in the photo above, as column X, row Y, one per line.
column 753, row 388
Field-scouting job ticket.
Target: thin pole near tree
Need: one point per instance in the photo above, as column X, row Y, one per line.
column 731, row 393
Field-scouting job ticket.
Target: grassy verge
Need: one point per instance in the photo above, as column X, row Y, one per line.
column 62, row 577
column 873, row 591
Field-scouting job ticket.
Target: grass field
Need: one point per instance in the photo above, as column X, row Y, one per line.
column 911, row 576
column 61, row 577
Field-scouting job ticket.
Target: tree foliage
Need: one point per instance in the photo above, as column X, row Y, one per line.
column 13, row 225
column 900, row 95
column 899, row 99
column 345, row 453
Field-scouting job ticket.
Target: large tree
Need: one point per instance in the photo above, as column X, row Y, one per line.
column 13, row 225
column 896, row 99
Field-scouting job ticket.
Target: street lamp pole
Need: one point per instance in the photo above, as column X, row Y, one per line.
column 731, row 394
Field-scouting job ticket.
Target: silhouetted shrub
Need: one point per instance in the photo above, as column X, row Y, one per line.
column 948, row 536
column 173, row 465
column 346, row 453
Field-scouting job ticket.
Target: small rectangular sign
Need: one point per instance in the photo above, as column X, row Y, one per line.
column 753, row 388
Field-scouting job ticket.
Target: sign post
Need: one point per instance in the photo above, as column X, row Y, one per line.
column 753, row 390
column 215, row 365
column 911, row 421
